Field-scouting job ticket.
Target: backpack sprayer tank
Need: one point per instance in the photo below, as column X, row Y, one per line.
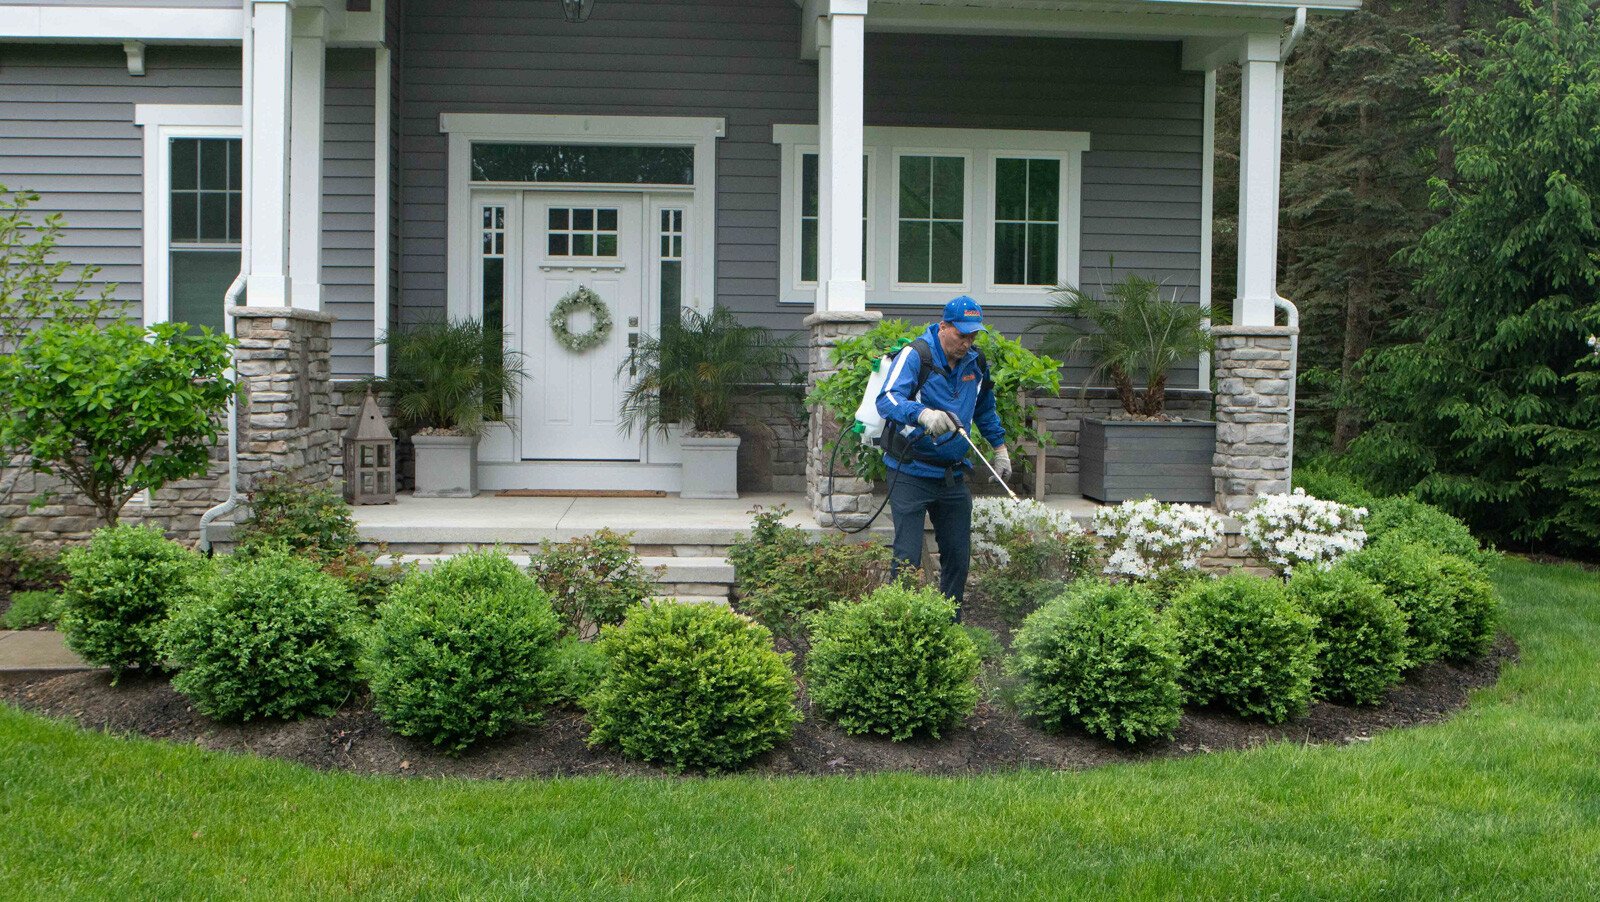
column 869, row 423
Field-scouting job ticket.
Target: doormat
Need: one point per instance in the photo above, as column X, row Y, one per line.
column 579, row 493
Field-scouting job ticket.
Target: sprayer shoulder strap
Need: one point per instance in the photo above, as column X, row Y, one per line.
column 925, row 355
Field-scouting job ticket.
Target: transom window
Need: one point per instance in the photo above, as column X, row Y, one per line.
column 204, row 212
column 991, row 213
column 583, row 232
column 613, row 164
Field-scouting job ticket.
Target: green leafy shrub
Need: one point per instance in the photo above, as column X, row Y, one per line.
column 1451, row 607
column 895, row 663
column 1246, row 645
column 691, row 686
column 1098, row 655
column 450, row 377
column 31, row 609
column 118, row 593
column 23, row 567
column 1404, row 519
column 783, row 577
column 576, row 669
column 1016, row 372
column 269, row 636
column 1321, row 481
column 1025, row 553
column 145, row 408
column 462, row 652
column 592, row 580
column 1360, row 633
column 315, row 522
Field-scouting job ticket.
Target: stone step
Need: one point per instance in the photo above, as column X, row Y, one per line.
column 685, row 575
column 691, row 599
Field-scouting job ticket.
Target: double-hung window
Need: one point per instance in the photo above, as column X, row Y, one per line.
column 994, row 214
column 193, row 210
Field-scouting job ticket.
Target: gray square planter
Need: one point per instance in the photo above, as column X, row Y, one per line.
column 447, row 466
column 710, row 466
column 1126, row 460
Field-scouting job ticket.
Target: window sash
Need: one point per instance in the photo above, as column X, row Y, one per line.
column 810, row 207
column 931, row 228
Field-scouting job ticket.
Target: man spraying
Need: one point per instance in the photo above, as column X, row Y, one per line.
column 938, row 386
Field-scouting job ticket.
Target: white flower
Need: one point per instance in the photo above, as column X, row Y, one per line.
column 1288, row 530
column 1148, row 539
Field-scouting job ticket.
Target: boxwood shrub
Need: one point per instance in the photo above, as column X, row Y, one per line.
column 1401, row 520
column 784, row 577
column 463, row 651
column 576, row 669
column 1360, row 632
column 1451, row 607
column 894, row 663
column 118, row 592
column 270, row 636
column 691, row 686
column 1101, row 657
column 1244, row 644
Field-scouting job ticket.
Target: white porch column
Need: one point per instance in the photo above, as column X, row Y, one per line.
column 308, row 71
column 266, row 150
column 841, row 38
column 1260, row 135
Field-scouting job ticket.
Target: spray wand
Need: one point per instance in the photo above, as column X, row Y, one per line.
column 986, row 463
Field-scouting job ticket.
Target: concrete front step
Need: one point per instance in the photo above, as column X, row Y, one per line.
column 703, row 570
column 691, row 599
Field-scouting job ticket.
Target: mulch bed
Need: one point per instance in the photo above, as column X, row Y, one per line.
column 993, row 739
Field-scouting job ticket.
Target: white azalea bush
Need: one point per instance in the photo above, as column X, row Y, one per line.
column 1286, row 531
column 1025, row 552
column 1155, row 541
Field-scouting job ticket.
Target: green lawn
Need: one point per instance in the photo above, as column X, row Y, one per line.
column 1503, row 801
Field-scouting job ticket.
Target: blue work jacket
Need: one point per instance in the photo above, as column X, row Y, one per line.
column 957, row 391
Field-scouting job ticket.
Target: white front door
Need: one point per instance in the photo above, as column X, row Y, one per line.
column 570, row 401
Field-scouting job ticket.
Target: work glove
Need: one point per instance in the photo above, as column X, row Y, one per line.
column 1002, row 463
column 936, row 422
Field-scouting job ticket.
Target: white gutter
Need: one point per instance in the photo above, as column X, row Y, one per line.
column 1278, row 300
column 231, row 323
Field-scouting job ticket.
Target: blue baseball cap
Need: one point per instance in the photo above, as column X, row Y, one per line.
column 965, row 314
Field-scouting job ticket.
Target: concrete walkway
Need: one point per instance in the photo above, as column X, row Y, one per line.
column 653, row 521
column 33, row 652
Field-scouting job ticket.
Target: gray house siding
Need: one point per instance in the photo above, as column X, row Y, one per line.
column 67, row 134
column 1141, row 180
column 347, row 225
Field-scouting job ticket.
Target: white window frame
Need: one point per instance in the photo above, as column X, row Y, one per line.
column 968, row 189
column 981, row 147
column 161, row 123
column 1064, row 242
column 463, row 129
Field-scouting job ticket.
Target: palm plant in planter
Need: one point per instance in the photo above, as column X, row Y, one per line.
column 693, row 373
column 446, row 379
column 1133, row 338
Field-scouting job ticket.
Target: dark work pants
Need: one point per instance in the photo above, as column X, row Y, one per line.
column 950, row 509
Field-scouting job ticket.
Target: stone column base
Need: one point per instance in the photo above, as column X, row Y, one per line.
column 845, row 499
column 1253, row 397
column 286, row 425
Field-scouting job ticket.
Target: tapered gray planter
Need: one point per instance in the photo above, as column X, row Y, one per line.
column 447, row 466
column 710, row 466
column 1126, row 460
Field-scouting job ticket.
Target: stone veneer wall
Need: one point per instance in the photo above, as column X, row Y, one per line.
column 851, row 501
column 772, row 455
column 287, row 427
column 1254, row 367
column 1061, row 415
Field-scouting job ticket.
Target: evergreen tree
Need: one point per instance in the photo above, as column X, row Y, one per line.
column 1490, row 407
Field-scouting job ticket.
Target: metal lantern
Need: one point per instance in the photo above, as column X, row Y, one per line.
column 369, row 457
column 577, row 10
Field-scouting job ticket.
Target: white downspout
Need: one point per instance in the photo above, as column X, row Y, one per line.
column 230, row 323
column 1278, row 300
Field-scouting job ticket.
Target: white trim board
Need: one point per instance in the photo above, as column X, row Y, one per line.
column 161, row 123
column 465, row 128
column 883, row 146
